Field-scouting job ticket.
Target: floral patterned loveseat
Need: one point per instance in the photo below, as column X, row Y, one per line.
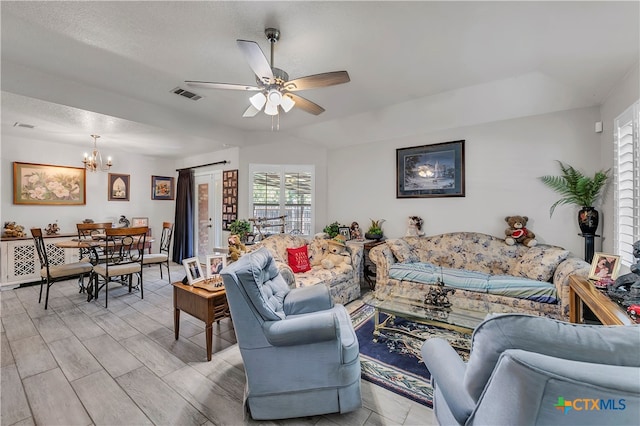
column 488, row 275
column 343, row 281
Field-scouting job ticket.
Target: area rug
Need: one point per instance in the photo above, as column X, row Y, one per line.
column 394, row 362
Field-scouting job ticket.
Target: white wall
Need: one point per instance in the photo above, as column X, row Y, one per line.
column 503, row 162
column 98, row 208
column 621, row 97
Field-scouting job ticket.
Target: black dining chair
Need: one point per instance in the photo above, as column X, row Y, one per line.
column 50, row 274
column 162, row 258
column 88, row 232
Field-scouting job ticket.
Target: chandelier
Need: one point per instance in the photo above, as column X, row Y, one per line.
column 94, row 162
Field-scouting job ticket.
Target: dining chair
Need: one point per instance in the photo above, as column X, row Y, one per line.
column 162, row 258
column 53, row 273
column 124, row 256
column 87, row 231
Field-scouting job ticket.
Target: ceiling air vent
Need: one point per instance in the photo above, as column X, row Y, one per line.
column 25, row 125
column 186, row 94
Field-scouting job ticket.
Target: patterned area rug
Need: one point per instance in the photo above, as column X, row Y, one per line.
column 394, row 361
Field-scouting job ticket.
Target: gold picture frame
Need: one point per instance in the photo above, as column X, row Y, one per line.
column 46, row 184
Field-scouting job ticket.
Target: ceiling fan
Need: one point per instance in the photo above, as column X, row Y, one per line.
column 275, row 90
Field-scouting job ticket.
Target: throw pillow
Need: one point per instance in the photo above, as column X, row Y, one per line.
column 402, row 251
column 539, row 263
column 298, row 259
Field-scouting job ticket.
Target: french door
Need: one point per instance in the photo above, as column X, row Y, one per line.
column 208, row 212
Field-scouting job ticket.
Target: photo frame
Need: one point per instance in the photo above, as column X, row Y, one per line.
column 215, row 263
column 604, row 269
column 193, row 270
column 139, row 221
column 431, row 171
column 32, row 184
column 162, row 188
column 345, row 232
column 118, row 187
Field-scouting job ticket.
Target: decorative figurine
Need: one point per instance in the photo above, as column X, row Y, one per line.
column 356, row 234
column 52, row 229
column 414, row 227
column 124, row 222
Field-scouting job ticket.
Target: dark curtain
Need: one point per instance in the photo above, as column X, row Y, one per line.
column 183, row 229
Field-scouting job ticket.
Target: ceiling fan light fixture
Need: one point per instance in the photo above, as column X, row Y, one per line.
column 271, row 109
column 258, row 100
column 274, row 96
column 287, row 103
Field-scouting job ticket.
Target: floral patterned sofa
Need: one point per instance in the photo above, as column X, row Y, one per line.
column 343, row 280
column 488, row 275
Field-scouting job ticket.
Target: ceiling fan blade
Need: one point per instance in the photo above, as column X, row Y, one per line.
column 306, row 104
column 251, row 111
column 257, row 61
column 317, row 80
column 227, row 86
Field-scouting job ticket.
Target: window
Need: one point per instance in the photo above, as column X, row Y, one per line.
column 627, row 182
column 283, row 190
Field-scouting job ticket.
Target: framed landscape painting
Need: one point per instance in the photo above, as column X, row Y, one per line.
column 48, row 185
column 430, row 170
column 118, row 187
column 162, row 188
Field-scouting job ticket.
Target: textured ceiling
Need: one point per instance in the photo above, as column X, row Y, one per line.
column 77, row 68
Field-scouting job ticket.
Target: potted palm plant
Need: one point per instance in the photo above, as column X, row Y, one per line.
column 580, row 190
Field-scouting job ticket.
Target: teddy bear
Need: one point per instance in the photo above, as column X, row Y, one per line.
column 317, row 249
column 517, row 231
column 11, row 230
column 236, row 247
column 336, row 253
column 414, row 227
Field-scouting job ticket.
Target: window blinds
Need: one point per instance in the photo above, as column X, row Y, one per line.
column 627, row 183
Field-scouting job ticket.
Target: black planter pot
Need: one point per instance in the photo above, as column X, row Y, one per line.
column 369, row 236
column 588, row 219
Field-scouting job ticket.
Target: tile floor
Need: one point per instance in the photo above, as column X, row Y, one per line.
column 78, row 363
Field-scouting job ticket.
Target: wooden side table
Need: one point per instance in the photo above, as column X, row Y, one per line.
column 369, row 266
column 582, row 291
column 207, row 306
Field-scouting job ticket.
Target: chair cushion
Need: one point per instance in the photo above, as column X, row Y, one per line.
column 264, row 285
column 155, row 258
column 117, row 270
column 298, row 259
column 68, row 269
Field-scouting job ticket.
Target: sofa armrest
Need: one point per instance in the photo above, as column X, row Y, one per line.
column 383, row 258
column 357, row 253
column 570, row 266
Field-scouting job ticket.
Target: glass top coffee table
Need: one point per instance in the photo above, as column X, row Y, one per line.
column 452, row 318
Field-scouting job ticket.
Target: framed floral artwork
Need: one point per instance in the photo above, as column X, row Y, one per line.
column 48, row 185
column 162, row 188
column 118, row 187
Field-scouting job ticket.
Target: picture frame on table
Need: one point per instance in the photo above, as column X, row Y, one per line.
column 193, row 270
column 46, row 184
column 139, row 221
column 162, row 188
column 604, row 269
column 118, row 187
column 215, row 264
column 431, row 171
column 345, row 232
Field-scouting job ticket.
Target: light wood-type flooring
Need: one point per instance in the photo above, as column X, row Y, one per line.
column 78, row 363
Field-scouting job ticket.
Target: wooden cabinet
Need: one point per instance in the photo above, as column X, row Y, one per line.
column 19, row 260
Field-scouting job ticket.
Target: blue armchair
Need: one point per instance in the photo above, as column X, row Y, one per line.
column 526, row 370
column 300, row 351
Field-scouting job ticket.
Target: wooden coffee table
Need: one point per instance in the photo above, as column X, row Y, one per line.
column 583, row 292
column 207, row 306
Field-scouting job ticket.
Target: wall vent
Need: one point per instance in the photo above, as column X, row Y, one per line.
column 186, row 94
column 25, row 125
